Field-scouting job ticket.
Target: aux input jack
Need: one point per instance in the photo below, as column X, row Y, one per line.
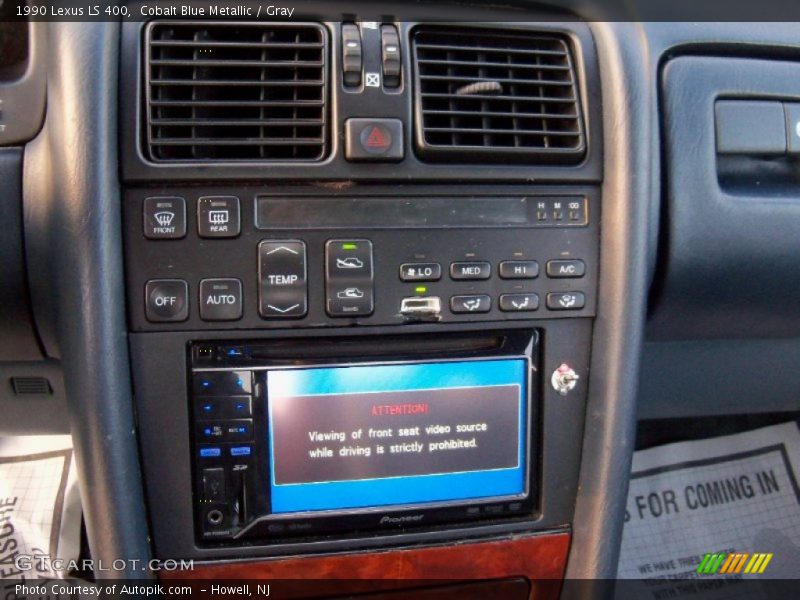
column 215, row 517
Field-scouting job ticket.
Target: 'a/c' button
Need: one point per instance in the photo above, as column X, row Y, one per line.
column 166, row 300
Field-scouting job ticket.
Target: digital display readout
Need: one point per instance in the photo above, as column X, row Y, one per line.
column 403, row 434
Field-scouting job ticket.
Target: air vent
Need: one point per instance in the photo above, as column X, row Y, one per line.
column 236, row 91
column 496, row 95
column 31, row 386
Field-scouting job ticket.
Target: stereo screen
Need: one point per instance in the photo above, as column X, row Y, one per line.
column 401, row 434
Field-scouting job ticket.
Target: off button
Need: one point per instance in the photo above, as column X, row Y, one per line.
column 166, row 300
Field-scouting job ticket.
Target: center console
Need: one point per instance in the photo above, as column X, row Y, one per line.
column 361, row 266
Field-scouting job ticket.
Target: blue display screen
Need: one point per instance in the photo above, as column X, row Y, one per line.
column 397, row 434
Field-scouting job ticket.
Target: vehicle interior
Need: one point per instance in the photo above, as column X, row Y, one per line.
column 392, row 295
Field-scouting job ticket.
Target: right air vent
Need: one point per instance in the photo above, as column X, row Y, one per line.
column 496, row 95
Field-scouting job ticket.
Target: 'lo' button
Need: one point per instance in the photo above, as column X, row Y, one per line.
column 166, row 300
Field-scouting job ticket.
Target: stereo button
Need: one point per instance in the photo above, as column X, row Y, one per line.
column 470, row 270
column 240, row 430
column 282, row 273
column 214, row 485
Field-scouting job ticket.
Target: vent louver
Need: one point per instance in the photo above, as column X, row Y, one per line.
column 31, row 386
column 236, row 91
column 496, row 94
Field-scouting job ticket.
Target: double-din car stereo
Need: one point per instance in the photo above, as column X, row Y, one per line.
column 296, row 438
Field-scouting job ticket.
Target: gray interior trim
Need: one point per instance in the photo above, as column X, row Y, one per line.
column 716, row 377
column 72, row 204
column 611, row 410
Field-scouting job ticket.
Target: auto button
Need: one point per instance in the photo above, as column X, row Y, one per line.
column 282, row 275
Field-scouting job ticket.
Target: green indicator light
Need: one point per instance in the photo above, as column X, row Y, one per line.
column 349, row 246
column 421, row 289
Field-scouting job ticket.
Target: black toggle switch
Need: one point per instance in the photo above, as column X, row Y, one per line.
column 390, row 56
column 351, row 54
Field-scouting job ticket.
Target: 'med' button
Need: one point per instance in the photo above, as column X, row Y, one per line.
column 166, row 300
column 470, row 270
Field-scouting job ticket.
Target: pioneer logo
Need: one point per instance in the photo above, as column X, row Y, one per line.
column 387, row 520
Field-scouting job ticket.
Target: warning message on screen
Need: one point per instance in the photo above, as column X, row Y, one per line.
column 346, row 437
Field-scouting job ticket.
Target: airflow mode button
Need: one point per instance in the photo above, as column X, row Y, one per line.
column 282, row 274
column 349, row 278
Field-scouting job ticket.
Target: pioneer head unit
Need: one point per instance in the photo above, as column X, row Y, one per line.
column 292, row 440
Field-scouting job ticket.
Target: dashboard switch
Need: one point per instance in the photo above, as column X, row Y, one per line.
column 218, row 217
column 519, row 302
column 566, row 301
column 390, row 56
column 519, row 269
column 220, row 299
column 420, row 272
column 470, row 270
column 750, row 127
column 376, row 140
column 282, row 275
column 565, row 269
column 421, row 308
column 164, row 218
column 166, row 300
column 351, row 55
column 477, row 303
column 349, row 278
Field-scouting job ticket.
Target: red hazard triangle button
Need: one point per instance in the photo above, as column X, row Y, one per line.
column 378, row 138
column 374, row 139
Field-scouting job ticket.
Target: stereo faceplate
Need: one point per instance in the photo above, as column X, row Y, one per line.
column 234, row 418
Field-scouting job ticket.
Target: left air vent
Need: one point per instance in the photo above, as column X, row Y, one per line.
column 236, row 92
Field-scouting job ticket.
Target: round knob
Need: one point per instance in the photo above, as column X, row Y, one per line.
column 564, row 379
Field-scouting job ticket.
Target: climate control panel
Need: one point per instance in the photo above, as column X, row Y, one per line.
column 286, row 277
